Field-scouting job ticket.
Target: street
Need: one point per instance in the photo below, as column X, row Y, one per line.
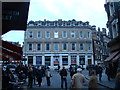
column 56, row 82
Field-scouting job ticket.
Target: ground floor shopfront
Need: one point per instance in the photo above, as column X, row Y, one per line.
column 53, row 60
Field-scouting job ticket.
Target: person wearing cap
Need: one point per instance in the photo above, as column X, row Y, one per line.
column 77, row 80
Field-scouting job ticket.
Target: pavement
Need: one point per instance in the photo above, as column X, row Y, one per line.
column 56, row 82
column 104, row 82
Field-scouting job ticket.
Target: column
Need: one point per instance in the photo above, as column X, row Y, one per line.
column 92, row 58
column 34, row 60
column 86, row 60
column 77, row 60
column 43, row 60
column 69, row 60
column 51, row 62
column 60, row 62
column 26, row 62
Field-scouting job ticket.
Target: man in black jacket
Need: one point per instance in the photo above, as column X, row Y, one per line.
column 63, row 74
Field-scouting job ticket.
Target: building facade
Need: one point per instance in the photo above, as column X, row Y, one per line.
column 54, row 43
column 100, row 49
column 113, row 24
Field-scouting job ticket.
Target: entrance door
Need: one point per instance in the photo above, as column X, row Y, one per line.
column 89, row 61
column 47, row 60
column 65, row 60
column 30, row 60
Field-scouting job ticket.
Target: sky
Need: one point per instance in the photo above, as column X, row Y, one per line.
column 80, row 10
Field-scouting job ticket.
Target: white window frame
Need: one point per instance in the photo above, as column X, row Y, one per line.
column 71, row 46
column 37, row 46
column 29, row 47
column 73, row 33
column 40, row 34
column 30, row 34
column 89, row 46
column 63, row 46
column 63, row 34
column 80, row 46
column 55, row 46
column 46, row 34
column 81, row 34
column 56, row 34
column 46, row 48
column 88, row 34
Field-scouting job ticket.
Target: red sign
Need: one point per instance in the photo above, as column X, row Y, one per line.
column 73, row 61
column 56, row 62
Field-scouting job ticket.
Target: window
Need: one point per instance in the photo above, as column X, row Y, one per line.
column 30, row 46
column 89, row 46
column 64, row 34
column 30, row 34
column 47, row 34
column 88, row 34
column 73, row 59
column 39, row 34
column 38, row 46
column 73, row 46
column 82, row 60
column 56, row 48
column 56, row 34
column 73, row 34
column 81, row 34
column 30, row 60
column 64, row 46
column 81, row 46
column 38, row 60
column 47, row 46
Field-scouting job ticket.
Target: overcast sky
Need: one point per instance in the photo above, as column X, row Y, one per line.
column 80, row 10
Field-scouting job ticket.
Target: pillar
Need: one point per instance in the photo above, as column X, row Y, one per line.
column 77, row 60
column 43, row 60
column 69, row 60
column 51, row 62
column 60, row 62
column 34, row 60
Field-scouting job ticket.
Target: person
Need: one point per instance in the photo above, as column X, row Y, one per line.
column 77, row 80
column 99, row 71
column 34, row 71
column 48, row 74
column 93, row 81
column 63, row 74
column 117, row 80
column 58, row 68
column 39, row 75
column 72, row 72
column 108, row 72
column 30, row 77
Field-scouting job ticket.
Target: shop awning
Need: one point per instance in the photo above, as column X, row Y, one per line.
column 116, row 57
column 111, row 56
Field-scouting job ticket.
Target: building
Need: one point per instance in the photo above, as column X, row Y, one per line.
column 113, row 24
column 59, row 42
column 15, row 43
column 10, row 53
column 100, row 49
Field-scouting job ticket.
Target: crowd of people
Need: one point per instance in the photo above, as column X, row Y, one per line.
column 24, row 73
column 31, row 74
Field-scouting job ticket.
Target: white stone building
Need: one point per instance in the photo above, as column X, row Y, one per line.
column 59, row 42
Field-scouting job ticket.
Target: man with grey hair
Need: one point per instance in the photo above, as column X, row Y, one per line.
column 78, row 79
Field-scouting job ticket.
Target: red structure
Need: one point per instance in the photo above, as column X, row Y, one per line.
column 10, row 53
